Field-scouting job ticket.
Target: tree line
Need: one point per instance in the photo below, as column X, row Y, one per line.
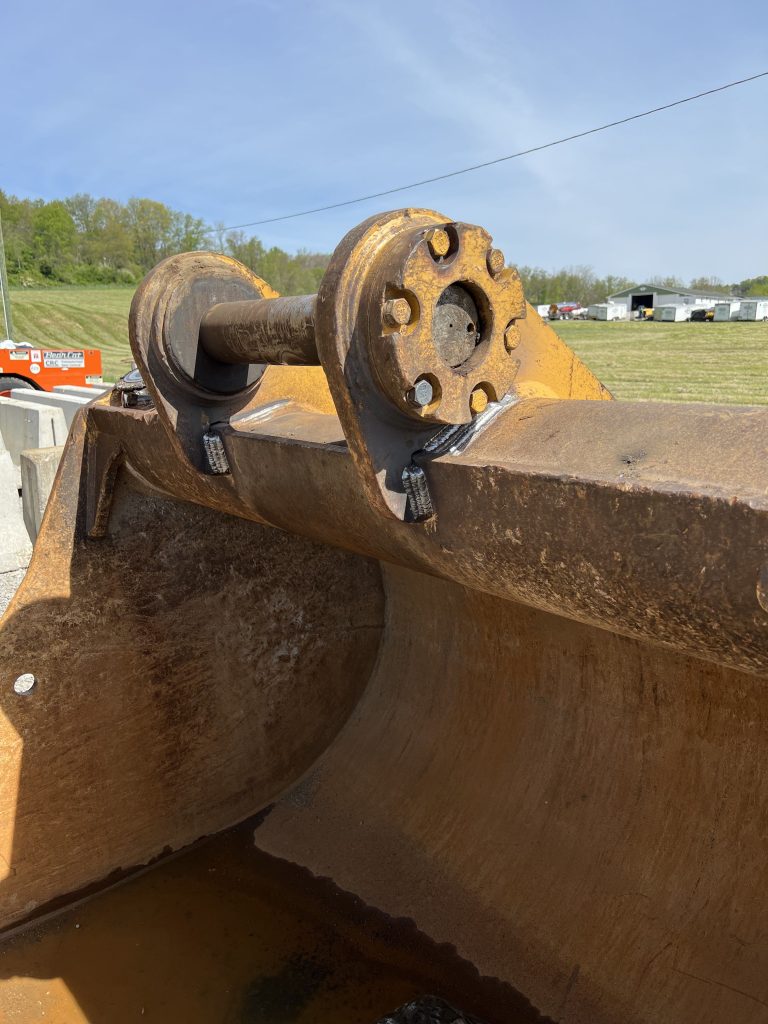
column 581, row 284
column 83, row 240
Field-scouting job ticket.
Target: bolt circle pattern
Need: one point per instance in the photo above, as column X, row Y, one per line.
column 399, row 357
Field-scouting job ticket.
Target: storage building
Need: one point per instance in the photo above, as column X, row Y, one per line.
column 649, row 296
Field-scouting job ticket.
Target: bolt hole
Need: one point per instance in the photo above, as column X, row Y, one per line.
column 24, row 684
column 470, row 328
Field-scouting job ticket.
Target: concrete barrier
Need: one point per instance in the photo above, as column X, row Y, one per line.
column 29, row 425
column 69, row 404
column 33, row 429
column 38, row 471
column 82, row 392
column 15, row 545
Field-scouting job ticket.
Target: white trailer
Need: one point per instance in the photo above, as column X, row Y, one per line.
column 754, row 309
column 607, row 311
column 672, row 314
column 726, row 311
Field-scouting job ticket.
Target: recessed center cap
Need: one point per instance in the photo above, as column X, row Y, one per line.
column 456, row 325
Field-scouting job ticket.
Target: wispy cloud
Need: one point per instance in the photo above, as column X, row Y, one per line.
column 262, row 107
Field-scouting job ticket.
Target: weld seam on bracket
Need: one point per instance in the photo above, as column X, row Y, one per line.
column 417, row 492
column 450, row 440
column 215, row 453
column 262, row 413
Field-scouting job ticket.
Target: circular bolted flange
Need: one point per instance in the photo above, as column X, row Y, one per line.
column 454, row 339
column 462, row 308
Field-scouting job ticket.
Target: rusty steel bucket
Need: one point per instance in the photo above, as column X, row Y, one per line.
column 485, row 650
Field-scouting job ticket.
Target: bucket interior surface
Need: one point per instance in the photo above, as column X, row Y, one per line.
column 226, row 934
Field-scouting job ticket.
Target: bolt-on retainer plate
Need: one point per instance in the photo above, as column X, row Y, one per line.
column 455, row 336
column 373, row 361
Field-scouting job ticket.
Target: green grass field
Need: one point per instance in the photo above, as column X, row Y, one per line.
column 687, row 362
column 76, row 318
column 696, row 362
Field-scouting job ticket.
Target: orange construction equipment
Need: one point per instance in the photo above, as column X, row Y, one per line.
column 481, row 654
column 22, row 366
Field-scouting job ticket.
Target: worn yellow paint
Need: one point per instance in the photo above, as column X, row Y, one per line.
column 548, row 368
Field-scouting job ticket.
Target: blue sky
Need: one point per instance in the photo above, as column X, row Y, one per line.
column 245, row 109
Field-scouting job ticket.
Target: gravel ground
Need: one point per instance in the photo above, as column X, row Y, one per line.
column 9, row 581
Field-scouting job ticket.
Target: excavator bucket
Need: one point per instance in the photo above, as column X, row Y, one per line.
column 478, row 655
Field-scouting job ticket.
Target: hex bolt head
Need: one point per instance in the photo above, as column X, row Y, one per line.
column 396, row 312
column 511, row 338
column 495, row 261
column 438, row 241
column 420, row 395
column 478, row 401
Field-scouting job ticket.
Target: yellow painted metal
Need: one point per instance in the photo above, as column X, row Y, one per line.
column 528, row 733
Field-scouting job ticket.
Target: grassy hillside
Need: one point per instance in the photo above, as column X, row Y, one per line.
column 677, row 362
column 76, row 318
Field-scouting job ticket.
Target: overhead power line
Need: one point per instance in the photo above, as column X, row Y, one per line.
column 499, row 159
